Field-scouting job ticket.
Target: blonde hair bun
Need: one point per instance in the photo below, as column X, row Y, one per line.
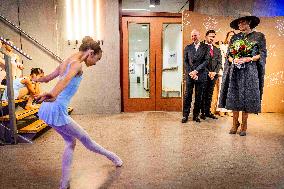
column 87, row 39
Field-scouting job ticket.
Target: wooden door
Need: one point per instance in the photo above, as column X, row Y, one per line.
column 152, row 64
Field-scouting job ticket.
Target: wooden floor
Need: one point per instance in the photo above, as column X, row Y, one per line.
column 158, row 152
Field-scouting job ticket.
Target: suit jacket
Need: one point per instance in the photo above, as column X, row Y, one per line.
column 215, row 62
column 196, row 60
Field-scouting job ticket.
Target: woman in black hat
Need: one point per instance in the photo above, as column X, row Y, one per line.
column 243, row 78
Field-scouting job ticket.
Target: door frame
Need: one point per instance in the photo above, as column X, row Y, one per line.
column 135, row 14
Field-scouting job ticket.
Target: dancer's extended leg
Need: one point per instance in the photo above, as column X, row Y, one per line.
column 75, row 130
column 70, row 133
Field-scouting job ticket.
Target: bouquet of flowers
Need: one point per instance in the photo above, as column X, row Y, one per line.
column 241, row 48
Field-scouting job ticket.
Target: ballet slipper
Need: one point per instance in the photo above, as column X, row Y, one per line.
column 115, row 159
column 65, row 186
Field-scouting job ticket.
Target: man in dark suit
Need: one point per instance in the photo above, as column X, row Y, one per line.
column 212, row 70
column 196, row 56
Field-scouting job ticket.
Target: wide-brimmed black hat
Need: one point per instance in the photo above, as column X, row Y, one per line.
column 254, row 21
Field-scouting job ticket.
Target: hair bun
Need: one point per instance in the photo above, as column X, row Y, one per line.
column 89, row 43
column 87, row 39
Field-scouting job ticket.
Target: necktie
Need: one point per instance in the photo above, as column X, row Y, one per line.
column 211, row 51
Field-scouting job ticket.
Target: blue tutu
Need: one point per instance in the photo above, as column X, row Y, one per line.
column 55, row 113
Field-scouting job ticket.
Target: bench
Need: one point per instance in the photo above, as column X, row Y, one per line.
column 5, row 103
column 34, row 127
column 20, row 114
column 5, row 109
column 32, row 130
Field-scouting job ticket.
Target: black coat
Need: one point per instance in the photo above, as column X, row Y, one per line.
column 215, row 62
column 196, row 60
column 242, row 89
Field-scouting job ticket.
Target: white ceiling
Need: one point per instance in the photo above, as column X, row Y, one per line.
column 165, row 5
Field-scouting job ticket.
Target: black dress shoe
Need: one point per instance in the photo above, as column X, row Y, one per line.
column 211, row 116
column 203, row 116
column 184, row 119
column 196, row 119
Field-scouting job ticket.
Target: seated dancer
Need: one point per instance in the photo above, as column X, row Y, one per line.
column 24, row 86
column 53, row 110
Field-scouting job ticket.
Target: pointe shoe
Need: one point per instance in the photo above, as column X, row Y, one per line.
column 65, row 186
column 115, row 159
column 234, row 129
column 118, row 163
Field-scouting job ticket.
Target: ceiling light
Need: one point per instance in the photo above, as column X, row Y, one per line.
column 139, row 40
column 151, row 6
column 135, row 9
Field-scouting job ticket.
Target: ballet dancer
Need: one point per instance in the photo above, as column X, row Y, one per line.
column 54, row 107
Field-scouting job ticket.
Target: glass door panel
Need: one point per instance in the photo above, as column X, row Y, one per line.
column 139, row 43
column 172, row 61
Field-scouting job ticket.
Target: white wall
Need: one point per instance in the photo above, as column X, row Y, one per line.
column 99, row 91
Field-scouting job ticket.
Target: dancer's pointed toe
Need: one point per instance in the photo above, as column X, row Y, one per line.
column 118, row 163
column 115, row 159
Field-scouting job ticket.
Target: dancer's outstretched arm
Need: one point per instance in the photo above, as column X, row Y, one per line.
column 75, row 68
column 48, row 77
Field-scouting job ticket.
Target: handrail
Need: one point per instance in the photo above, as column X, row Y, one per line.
column 55, row 56
column 15, row 48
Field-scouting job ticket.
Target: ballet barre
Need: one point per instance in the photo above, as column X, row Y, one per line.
column 35, row 41
column 10, row 135
column 15, row 48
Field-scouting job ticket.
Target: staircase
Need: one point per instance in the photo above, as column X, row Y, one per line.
column 29, row 127
column 21, row 125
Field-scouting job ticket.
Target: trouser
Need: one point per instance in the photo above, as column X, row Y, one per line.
column 207, row 96
column 199, row 87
